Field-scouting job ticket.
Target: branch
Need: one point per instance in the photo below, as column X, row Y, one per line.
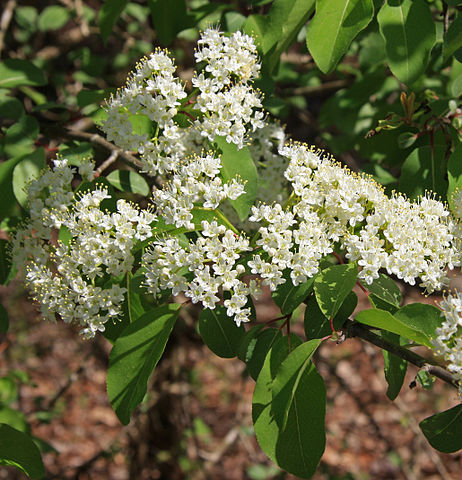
column 5, row 20
column 354, row 329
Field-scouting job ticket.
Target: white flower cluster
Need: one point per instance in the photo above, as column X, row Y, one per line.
column 226, row 97
column 195, row 181
column 61, row 274
column 448, row 342
column 226, row 104
column 213, row 262
column 333, row 205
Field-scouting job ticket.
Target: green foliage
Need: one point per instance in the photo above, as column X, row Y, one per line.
column 135, row 355
column 53, row 17
column 220, row 333
column 169, row 18
column 300, row 390
column 384, row 294
column 333, row 27
column 394, row 367
column 16, row 72
column 129, row 181
column 288, row 296
column 409, row 32
column 443, row 430
column 108, row 15
column 238, row 163
column 332, row 285
column 18, row 449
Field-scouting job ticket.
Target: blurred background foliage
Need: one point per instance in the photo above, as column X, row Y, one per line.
column 376, row 84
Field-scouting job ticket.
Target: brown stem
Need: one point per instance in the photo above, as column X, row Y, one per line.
column 354, row 329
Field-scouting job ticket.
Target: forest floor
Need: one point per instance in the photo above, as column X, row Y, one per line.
column 196, row 423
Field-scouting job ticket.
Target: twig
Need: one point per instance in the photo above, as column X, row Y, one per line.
column 354, row 329
column 109, row 161
column 7, row 15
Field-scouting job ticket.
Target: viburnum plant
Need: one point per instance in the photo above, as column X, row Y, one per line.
column 235, row 206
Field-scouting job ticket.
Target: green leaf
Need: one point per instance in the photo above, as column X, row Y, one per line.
column 332, row 285
column 423, row 170
column 239, row 163
column 14, row 418
column 8, row 389
column 129, row 181
column 28, row 169
column 317, row 325
column 444, row 430
column 10, row 107
column 394, row 367
column 256, row 346
column 288, row 296
column 386, row 321
column 454, row 172
column 5, row 262
column 408, row 29
column 299, row 446
column 169, row 18
column 53, row 18
column 7, row 198
column 287, row 380
column 422, row 317
column 284, row 21
column 4, row 322
column 384, row 293
column 26, row 17
column 75, row 151
column 18, row 449
column 108, row 16
column 453, row 38
column 333, row 27
column 15, row 72
column 425, row 379
column 20, row 137
column 219, row 332
column 135, row 355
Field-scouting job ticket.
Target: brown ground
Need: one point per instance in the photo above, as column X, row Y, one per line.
column 196, row 422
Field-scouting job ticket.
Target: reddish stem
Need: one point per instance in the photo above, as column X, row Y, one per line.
column 338, row 257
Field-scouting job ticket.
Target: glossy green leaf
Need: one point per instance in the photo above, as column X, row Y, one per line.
column 408, row 29
column 4, row 322
column 24, row 172
column 444, row 430
column 284, row 21
column 394, row 366
column 19, row 450
column 129, row 181
column 424, row 169
column 169, row 18
column 332, row 285
column 14, row 418
column 15, row 72
column 453, row 38
column 7, row 198
column 20, row 137
column 75, row 151
column 288, row 296
column 335, row 24
column 219, row 332
column 317, row 325
column 53, row 17
column 420, row 316
column 135, row 355
column 384, row 293
column 288, row 378
column 8, row 387
column 238, row 163
column 254, row 351
column 299, row 446
column 5, row 262
column 10, row 107
column 108, row 16
column 386, row 321
column 454, row 172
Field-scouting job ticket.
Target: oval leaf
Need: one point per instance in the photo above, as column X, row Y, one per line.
column 238, row 163
column 384, row 293
column 444, row 430
column 386, row 321
column 135, row 355
column 334, row 25
column 18, row 449
column 288, row 296
column 408, row 29
column 219, row 332
column 15, row 72
column 53, row 18
column 422, row 317
column 332, row 285
column 24, row 172
column 129, row 181
column 108, row 16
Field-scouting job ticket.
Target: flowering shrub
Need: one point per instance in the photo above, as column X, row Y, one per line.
column 228, row 206
column 211, row 235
